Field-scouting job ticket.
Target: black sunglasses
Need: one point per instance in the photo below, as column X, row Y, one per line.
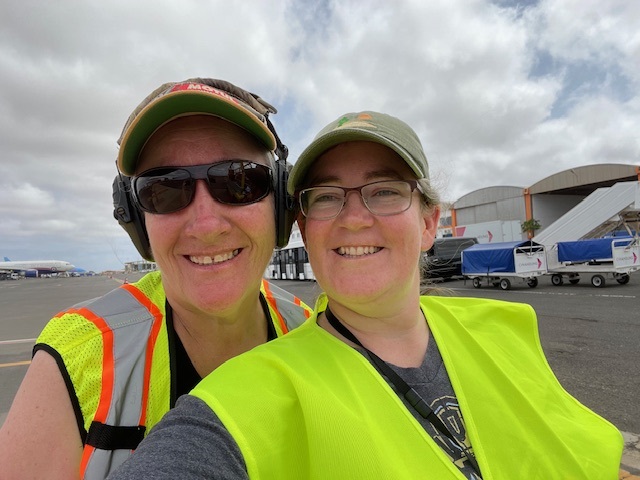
column 233, row 182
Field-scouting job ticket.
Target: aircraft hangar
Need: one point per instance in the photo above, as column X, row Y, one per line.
column 496, row 213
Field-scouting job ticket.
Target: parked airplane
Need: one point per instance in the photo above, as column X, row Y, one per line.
column 35, row 267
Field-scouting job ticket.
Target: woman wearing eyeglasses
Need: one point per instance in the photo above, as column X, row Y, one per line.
column 384, row 383
column 199, row 191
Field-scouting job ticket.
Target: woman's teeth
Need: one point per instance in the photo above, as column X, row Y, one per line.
column 357, row 251
column 205, row 260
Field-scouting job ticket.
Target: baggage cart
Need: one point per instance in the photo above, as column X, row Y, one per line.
column 601, row 258
column 498, row 263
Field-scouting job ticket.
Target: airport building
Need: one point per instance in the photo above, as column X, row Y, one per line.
column 139, row 266
column 554, row 204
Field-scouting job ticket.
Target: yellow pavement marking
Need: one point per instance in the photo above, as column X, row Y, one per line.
column 20, row 340
column 15, row 364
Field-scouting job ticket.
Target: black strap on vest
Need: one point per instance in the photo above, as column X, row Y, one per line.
column 413, row 397
column 109, row 437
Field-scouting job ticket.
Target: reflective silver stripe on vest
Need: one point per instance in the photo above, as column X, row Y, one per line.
column 130, row 323
column 293, row 314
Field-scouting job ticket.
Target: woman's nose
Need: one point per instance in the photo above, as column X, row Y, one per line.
column 207, row 214
column 354, row 210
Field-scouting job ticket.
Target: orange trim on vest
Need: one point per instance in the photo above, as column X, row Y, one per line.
column 151, row 342
column 298, row 302
column 107, row 376
column 272, row 302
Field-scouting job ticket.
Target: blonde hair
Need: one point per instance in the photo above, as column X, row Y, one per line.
column 430, row 199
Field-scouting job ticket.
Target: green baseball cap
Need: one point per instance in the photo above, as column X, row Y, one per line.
column 363, row 126
column 195, row 96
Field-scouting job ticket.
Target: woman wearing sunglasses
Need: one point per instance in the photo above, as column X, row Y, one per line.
column 384, row 383
column 199, row 192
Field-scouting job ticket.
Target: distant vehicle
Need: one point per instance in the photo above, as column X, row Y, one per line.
column 444, row 258
column 290, row 262
column 615, row 257
column 35, row 267
column 498, row 262
column 77, row 272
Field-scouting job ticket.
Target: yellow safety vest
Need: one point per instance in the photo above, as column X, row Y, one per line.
column 309, row 406
column 115, row 352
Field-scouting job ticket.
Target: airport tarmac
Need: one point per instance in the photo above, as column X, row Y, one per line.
column 590, row 336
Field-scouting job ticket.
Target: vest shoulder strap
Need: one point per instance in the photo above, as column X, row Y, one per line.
column 110, row 437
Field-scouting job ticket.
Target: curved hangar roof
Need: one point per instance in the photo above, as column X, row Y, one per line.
column 584, row 180
column 488, row 195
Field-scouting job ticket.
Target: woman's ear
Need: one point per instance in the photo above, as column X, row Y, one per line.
column 431, row 218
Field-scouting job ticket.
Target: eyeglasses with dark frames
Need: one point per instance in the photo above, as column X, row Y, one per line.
column 387, row 197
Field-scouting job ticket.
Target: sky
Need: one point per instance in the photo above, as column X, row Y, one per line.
column 500, row 92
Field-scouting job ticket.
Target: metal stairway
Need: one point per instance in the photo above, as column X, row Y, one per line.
column 604, row 211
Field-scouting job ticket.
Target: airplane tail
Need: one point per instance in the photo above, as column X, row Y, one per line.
column 6, row 259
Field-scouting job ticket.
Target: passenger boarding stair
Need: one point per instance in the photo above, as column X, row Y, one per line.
column 605, row 211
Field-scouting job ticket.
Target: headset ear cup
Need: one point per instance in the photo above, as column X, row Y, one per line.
column 285, row 206
column 129, row 216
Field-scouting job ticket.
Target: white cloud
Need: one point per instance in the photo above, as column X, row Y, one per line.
column 499, row 95
column 24, row 196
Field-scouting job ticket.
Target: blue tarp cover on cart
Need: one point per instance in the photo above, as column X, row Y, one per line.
column 485, row 258
column 589, row 250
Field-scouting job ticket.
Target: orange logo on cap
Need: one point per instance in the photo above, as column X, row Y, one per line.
column 360, row 120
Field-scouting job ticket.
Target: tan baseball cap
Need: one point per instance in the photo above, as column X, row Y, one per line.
column 195, row 96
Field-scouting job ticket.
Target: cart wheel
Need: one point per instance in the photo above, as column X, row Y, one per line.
column 574, row 280
column 556, row 279
column 597, row 281
column 505, row 284
column 477, row 283
column 532, row 282
column 623, row 278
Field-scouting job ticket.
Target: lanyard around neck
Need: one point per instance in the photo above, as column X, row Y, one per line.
column 414, row 399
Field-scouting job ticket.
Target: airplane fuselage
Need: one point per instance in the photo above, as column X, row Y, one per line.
column 41, row 266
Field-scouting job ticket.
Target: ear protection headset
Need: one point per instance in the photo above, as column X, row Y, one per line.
column 131, row 218
column 285, row 206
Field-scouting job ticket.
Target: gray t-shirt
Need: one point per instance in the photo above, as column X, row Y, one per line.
column 432, row 383
column 201, row 448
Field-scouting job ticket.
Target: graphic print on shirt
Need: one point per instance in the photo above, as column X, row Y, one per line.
column 448, row 411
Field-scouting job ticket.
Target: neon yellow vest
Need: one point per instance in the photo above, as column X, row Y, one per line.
column 309, row 406
column 116, row 353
